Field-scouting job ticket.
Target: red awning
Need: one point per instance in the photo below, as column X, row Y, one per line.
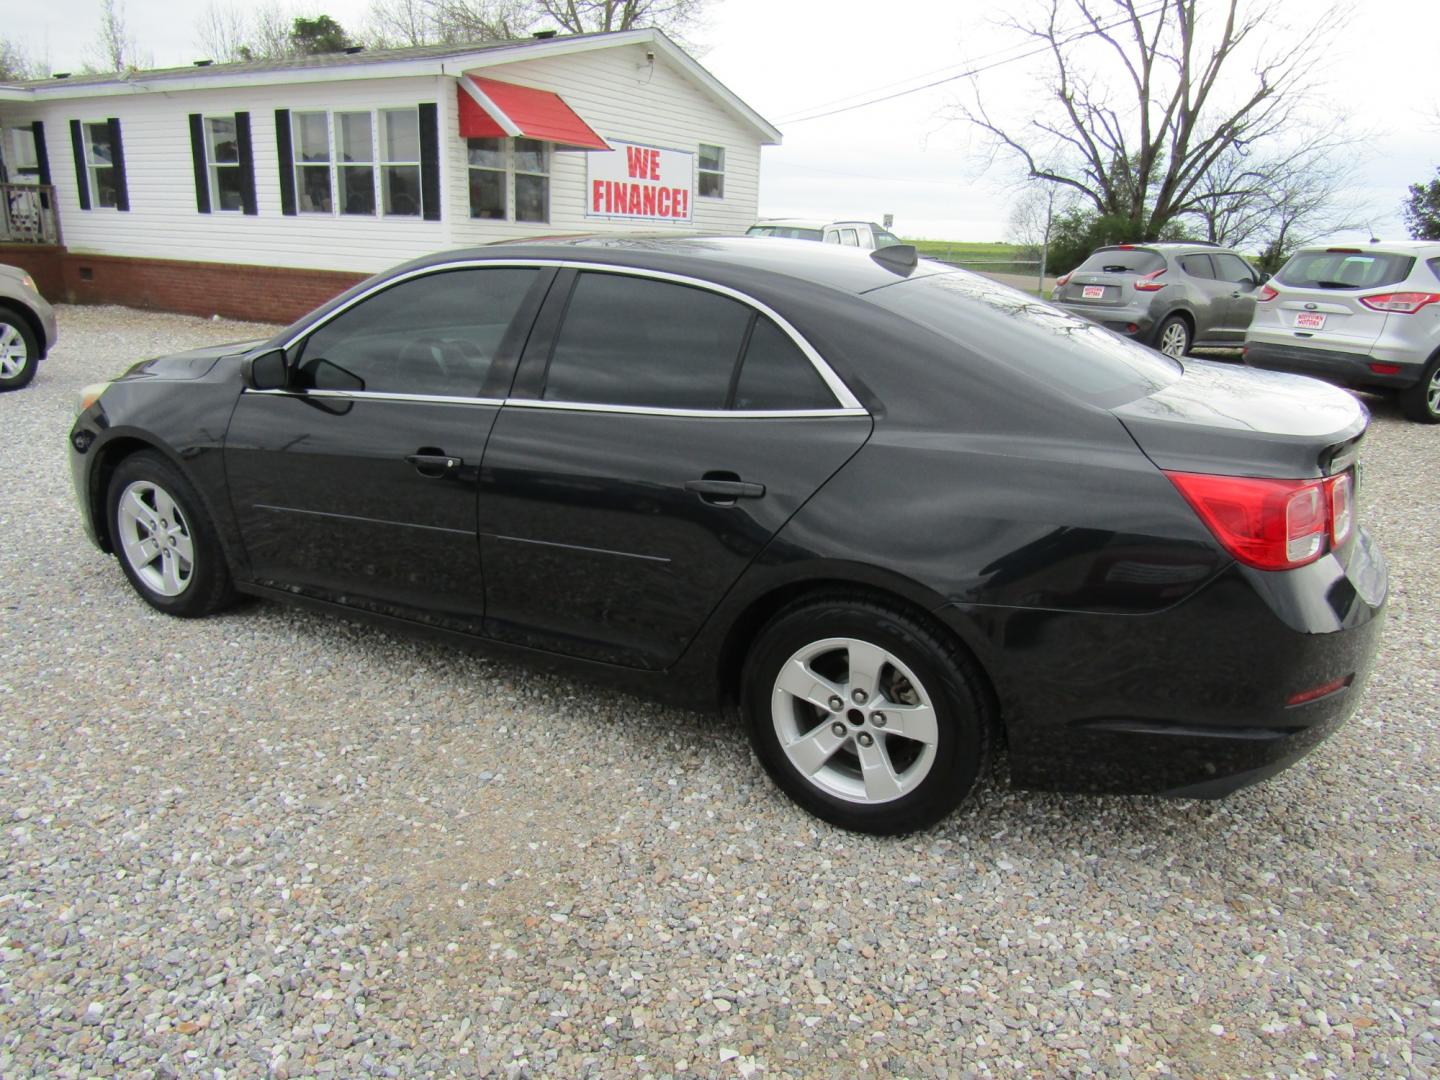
column 490, row 108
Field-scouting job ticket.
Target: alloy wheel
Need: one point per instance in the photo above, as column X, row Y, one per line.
column 854, row 720
column 13, row 352
column 1174, row 341
column 155, row 538
column 1432, row 393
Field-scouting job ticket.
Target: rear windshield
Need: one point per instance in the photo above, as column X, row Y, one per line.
column 1118, row 261
column 1045, row 343
column 787, row 232
column 1347, row 269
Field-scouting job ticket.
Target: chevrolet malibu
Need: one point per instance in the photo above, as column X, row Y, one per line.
column 898, row 514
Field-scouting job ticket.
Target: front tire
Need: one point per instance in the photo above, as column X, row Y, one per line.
column 19, row 351
column 864, row 715
column 1422, row 401
column 1173, row 337
column 165, row 541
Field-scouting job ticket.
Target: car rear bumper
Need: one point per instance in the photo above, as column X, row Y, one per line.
column 1191, row 701
column 1339, row 366
column 1129, row 320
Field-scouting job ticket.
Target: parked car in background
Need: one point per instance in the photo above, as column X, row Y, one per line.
column 898, row 513
column 861, row 234
column 1363, row 316
column 1171, row 296
column 27, row 327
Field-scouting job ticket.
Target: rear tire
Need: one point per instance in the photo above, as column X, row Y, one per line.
column 19, row 350
column 1422, row 401
column 1173, row 337
column 164, row 540
column 864, row 715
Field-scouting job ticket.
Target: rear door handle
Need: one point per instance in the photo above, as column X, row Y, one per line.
column 724, row 492
column 433, row 463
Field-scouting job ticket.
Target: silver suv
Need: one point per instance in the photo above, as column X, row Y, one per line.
column 1364, row 316
column 1170, row 295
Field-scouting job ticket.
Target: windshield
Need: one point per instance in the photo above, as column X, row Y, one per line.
column 1344, row 268
column 1045, row 343
column 1121, row 261
column 787, row 232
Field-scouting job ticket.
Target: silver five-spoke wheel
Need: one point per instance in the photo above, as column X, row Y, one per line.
column 14, row 352
column 1175, row 339
column 155, row 538
column 1432, row 393
column 855, row 720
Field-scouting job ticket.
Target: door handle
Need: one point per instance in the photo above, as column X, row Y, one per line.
column 433, row 463
column 724, row 491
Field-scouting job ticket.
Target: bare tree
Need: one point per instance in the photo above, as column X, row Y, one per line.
column 397, row 23
column 115, row 47
column 222, row 33
column 1175, row 92
column 16, row 63
column 1031, row 215
column 421, row 21
column 229, row 33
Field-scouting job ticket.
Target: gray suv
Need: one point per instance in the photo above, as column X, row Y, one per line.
column 1170, row 295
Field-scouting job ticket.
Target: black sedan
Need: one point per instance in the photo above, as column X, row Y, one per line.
column 896, row 513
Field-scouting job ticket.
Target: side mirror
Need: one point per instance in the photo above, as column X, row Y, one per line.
column 267, row 371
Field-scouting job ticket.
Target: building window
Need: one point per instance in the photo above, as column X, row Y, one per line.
column 312, row 162
column 400, row 161
column 222, row 159
column 20, row 155
column 712, row 172
column 500, row 167
column 355, row 159
column 100, row 164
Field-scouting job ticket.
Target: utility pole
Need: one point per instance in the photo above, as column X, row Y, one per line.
column 1045, row 244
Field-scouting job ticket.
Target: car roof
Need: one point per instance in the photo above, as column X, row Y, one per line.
column 1406, row 247
column 812, row 223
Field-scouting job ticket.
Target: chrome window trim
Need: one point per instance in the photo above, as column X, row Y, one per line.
column 378, row 395
column 848, row 402
column 652, row 410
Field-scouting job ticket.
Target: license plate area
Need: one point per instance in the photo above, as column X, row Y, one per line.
column 1309, row 320
column 1093, row 292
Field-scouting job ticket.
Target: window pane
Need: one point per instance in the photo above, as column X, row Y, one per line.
column 777, row 375
column 223, row 147
column 225, row 179
column 312, row 137
column 531, row 156
column 353, row 134
column 105, row 193
column 1117, row 261
column 849, row 238
column 487, row 153
column 1233, row 269
column 313, row 188
column 712, row 157
column 1344, row 269
column 435, row 334
column 357, row 190
column 712, row 185
column 633, row 341
column 402, row 135
column 97, row 137
column 1198, row 266
column 487, row 194
column 532, row 198
column 402, row 189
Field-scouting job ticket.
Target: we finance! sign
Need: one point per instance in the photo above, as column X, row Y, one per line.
column 641, row 182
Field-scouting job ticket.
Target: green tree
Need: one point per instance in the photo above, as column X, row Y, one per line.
column 321, row 34
column 1076, row 233
column 1422, row 210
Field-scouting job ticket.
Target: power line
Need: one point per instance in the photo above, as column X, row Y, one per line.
column 972, row 71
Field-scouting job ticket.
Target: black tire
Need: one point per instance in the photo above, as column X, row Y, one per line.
column 14, row 326
column 1179, row 330
column 201, row 588
column 1421, row 402
column 940, row 774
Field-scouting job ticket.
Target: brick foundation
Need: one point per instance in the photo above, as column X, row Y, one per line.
column 258, row 293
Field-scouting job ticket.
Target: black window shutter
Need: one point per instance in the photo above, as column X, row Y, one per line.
column 430, row 161
column 246, row 151
column 117, row 152
column 82, row 179
column 42, row 154
column 287, row 161
column 197, row 159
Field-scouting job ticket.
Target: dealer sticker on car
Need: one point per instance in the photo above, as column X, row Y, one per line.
column 1093, row 292
column 1310, row 320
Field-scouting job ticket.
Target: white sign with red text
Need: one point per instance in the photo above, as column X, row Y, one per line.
column 640, row 182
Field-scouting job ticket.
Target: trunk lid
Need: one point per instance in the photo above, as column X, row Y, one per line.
column 1233, row 421
column 1107, row 278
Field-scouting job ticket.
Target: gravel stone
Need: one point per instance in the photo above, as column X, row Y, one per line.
column 276, row 844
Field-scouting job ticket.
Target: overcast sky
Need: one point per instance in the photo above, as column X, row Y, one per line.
column 791, row 58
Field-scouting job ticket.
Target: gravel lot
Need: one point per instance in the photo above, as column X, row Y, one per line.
column 273, row 843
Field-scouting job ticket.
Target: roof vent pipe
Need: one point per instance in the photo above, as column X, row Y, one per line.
column 203, row 63
column 544, row 35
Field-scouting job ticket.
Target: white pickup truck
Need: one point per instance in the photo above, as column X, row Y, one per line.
column 861, row 234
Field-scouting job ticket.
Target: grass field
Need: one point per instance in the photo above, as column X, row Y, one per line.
column 965, row 250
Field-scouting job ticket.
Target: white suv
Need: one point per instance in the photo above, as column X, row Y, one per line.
column 861, row 234
column 1366, row 316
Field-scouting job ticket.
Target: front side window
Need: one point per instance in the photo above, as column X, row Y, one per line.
column 506, row 173
column 400, row 162
column 711, row 175
column 312, row 161
column 436, row 335
column 100, row 163
column 1233, row 269
column 222, row 160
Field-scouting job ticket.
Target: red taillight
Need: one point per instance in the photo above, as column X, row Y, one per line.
column 1315, row 693
column 1147, row 282
column 1266, row 293
column 1403, row 303
column 1270, row 524
column 1385, row 369
column 1062, row 279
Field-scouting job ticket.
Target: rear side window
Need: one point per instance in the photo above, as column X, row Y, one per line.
column 775, row 374
column 1434, row 265
column 1348, row 268
column 1197, row 266
column 1122, row 261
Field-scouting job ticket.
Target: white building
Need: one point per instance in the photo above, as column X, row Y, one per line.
column 261, row 189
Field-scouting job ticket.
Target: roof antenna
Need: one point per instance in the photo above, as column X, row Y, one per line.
column 899, row 258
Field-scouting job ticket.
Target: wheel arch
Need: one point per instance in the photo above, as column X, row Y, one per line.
column 1182, row 313
column 109, row 455
column 30, row 319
